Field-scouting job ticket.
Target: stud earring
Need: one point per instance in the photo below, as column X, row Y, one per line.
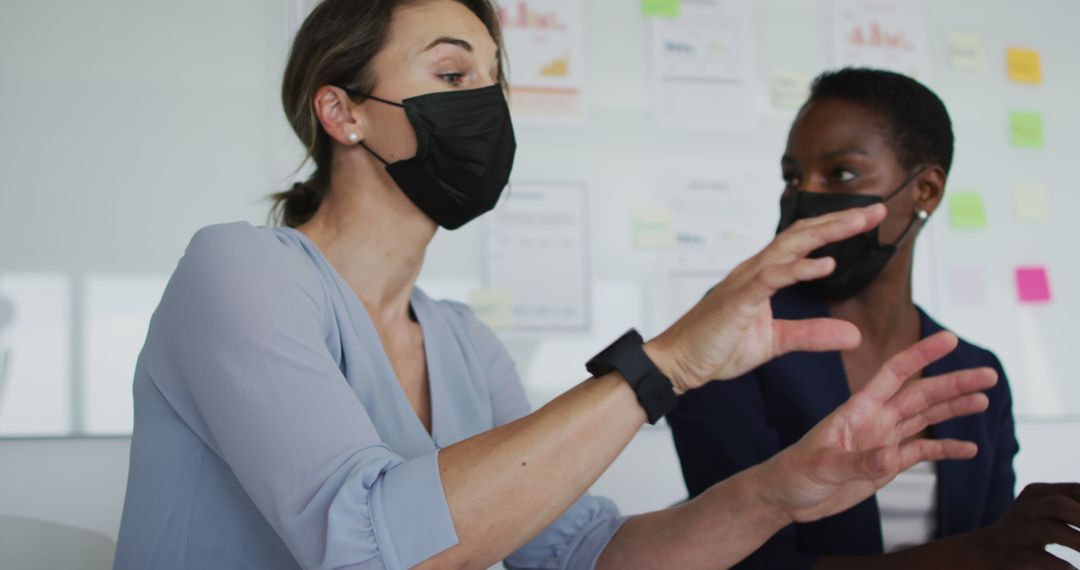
column 353, row 137
column 922, row 214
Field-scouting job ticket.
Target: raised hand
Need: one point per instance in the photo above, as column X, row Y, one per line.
column 1041, row 515
column 732, row 330
column 864, row 443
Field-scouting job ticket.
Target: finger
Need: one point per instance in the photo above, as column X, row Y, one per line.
column 957, row 407
column 1058, row 507
column 903, row 365
column 801, row 239
column 1035, row 490
column 814, row 335
column 775, row 277
column 1042, row 560
column 918, row 396
column 1053, row 532
column 919, row 450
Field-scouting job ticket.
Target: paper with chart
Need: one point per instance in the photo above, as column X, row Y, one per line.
column 545, row 44
column 715, row 226
column 703, row 66
column 538, row 278
column 885, row 34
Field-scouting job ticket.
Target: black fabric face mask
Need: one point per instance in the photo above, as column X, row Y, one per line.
column 464, row 153
column 859, row 259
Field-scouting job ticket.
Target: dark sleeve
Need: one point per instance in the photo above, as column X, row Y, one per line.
column 1002, row 489
column 721, row 429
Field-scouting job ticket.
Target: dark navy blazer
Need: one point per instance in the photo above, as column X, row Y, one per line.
column 725, row 427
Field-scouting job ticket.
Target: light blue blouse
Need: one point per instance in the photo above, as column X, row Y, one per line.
column 271, row 431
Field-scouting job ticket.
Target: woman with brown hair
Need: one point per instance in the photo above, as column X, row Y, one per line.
column 300, row 403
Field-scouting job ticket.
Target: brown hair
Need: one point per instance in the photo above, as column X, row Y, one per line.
column 335, row 46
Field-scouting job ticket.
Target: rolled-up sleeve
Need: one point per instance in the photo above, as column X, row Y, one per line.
column 577, row 538
column 239, row 346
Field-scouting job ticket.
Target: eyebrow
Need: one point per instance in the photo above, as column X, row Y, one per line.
column 841, row 152
column 451, row 41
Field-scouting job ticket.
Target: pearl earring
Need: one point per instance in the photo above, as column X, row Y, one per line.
column 922, row 214
column 353, row 137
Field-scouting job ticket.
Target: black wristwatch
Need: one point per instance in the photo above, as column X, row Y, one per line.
column 653, row 389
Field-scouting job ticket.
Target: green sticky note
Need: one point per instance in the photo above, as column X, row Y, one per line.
column 1026, row 129
column 966, row 210
column 666, row 8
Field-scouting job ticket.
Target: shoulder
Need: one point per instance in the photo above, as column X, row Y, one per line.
column 239, row 270
column 241, row 246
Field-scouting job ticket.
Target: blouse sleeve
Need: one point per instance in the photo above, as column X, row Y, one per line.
column 576, row 539
column 238, row 346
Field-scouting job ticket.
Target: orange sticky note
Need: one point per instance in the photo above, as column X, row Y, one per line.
column 1024, row 65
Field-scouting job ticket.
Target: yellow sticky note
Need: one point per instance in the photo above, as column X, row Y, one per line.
column 1026, row 129
column 966, row 210
column 493, row 307
column 966, row 52
column 790, row 89
column 1024, row 65
column 653, row 228
column 1031, row 202
column 666, row 8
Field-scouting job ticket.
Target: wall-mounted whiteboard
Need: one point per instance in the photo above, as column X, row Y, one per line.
column 127, row 125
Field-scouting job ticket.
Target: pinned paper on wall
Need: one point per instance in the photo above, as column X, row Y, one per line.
column 538, row 252
column 547, row 41
column 1024, row 65
column 1031, row 202
column 790, row 89
column 967, row 211
column 663, row 8
column 886, row 34
column 966, row 51
column 494, row 307
column 1033, row 284
column 1026, row 129
column 702, row 67
column 967, row 286
column 653, row 228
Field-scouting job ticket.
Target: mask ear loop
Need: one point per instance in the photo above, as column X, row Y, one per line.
column 355, row 93
column 920, row 215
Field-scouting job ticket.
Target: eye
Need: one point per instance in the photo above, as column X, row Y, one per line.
column 453, row 78
column 792, row 180
column 844, row 174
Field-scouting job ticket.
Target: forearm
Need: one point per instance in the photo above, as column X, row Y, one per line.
column 506, row 485
column 717, row 529
column 960, row 551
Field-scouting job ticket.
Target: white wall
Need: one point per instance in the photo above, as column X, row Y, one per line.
column 128, row 124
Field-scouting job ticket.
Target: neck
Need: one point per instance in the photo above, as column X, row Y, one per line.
column 371, row 233
column 884, row 312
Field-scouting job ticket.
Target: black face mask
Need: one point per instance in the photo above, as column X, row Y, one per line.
column 464, row 153
column 859, row 259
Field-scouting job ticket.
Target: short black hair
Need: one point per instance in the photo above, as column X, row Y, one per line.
column 915, row 119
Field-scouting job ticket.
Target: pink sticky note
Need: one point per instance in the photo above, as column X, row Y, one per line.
column 1032, row 284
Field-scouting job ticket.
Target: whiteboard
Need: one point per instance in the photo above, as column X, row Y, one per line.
column 127, row 125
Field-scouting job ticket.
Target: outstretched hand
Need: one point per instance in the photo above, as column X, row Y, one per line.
column 732, row 331
column 869, row 439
